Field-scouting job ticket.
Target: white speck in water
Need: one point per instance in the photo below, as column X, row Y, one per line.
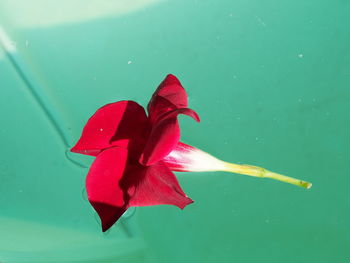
column 101, row 129
column 21, row 191
column 94, row 78
column 231, row 15
column 27, row 43
column 234, row 76
column 328, row 113
column 267, row 221
column 129, row 62
column 239, row 118
column 256, row 138
column 299, row 100
column 313, row 100
column 300, row 55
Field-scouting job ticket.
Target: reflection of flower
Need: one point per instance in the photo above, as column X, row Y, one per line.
column 136, row 154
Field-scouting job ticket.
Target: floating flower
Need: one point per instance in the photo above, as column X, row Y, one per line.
column 136, row 154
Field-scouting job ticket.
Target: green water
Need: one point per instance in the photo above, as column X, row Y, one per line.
column 270, row 80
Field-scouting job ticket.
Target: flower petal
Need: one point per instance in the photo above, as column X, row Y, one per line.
column 164, row 136
column 115, row 182
column 122, row 124
column 159, row 186
column 103, row 185
column 169, row 95
column 186, row 158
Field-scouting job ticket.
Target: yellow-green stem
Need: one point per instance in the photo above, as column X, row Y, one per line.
column 263, row 173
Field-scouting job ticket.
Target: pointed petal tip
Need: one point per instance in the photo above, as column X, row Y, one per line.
column 187, row 111
column 91, row 152
column 73, row 149
column 171, row 77
column 189, row 201
column 105, row 227
column 108, row 214
column 196, row 117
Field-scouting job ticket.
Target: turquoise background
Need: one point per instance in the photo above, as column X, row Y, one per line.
column 270, row 80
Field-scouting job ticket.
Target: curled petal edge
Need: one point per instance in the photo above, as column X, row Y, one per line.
column 168, row 96
column 164, row 136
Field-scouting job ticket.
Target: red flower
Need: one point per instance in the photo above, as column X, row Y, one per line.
column 129, row 149
column 136, row 154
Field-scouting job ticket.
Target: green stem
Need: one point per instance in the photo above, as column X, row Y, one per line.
column 263, row 173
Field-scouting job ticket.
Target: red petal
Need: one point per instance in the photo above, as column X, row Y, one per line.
column 122, row 124
column 164, row 136
column 115, row 183
column 103, row 185
column 159, row 186
column 169, row 95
